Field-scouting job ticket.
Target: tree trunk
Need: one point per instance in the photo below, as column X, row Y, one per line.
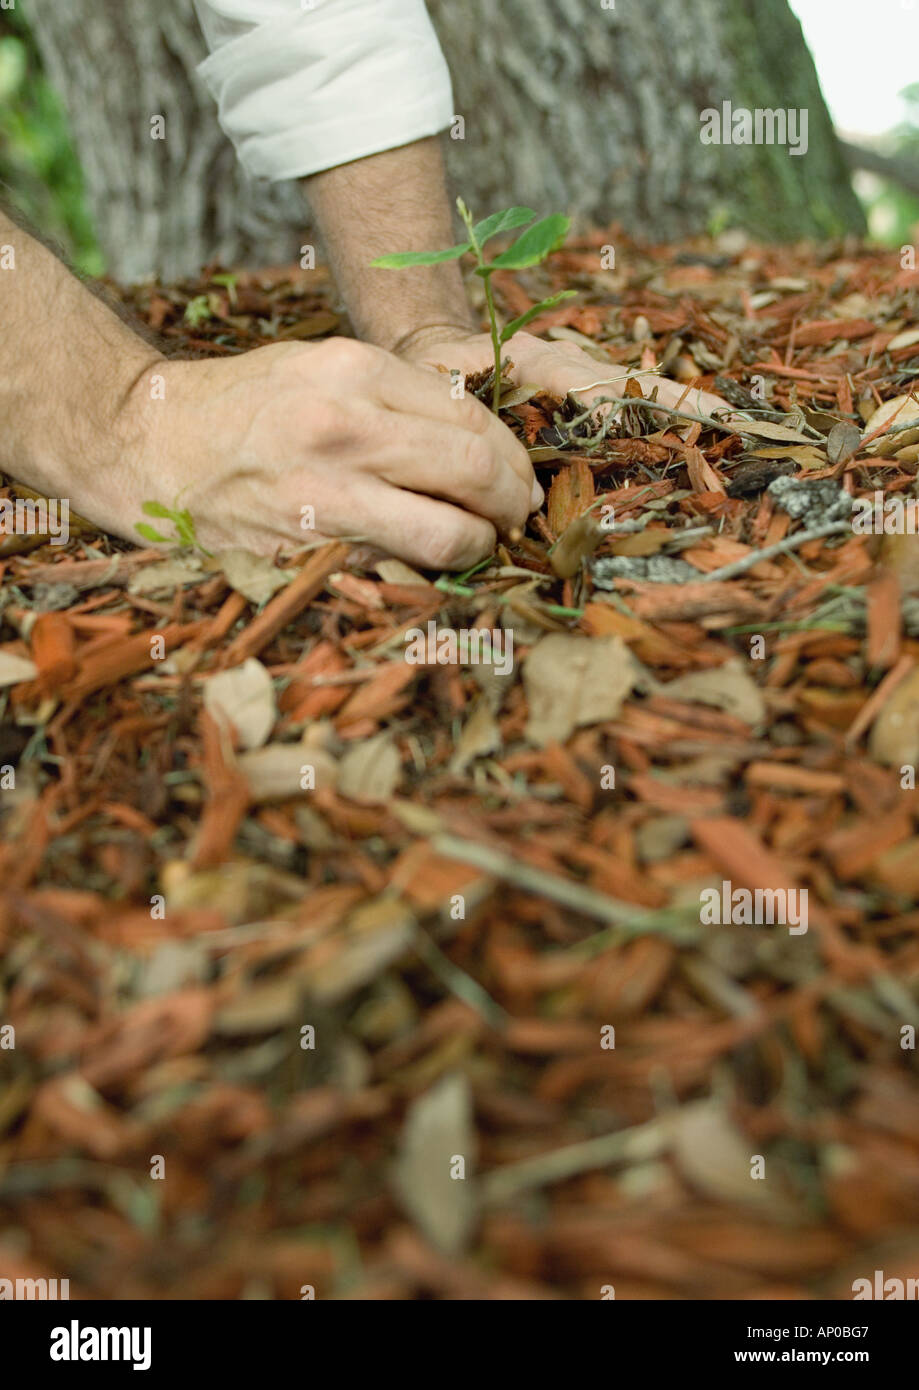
column 160, row 206
column 566, row 105
column 570, row 106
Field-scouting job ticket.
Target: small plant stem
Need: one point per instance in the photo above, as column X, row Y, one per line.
column 496, row 343
column 466, row 215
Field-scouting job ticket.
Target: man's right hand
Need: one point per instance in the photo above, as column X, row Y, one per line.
column 376, row 447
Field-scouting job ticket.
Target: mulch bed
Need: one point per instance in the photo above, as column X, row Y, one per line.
column 470, row 886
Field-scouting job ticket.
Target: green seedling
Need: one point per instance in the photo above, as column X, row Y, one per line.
column 229, row 283
column 531, row 248
column 198, row 310
column 181, row 520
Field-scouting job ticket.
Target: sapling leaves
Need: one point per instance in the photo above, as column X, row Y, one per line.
column 536, row 243
column 198, row 310
column 531, row 247
column 505, row 221
column 180, row 518
column 515, row 325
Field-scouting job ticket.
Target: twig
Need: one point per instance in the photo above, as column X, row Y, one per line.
column 634, row 921
column 457, row 981
column 829, row 528
column 666, row 409
column 639, row 1142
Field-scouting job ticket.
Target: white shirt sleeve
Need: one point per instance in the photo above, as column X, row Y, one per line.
column 305, row 85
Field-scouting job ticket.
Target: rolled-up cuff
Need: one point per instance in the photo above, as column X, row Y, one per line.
column 321, row 87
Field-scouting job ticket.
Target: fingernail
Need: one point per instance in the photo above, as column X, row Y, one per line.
column 537, row 497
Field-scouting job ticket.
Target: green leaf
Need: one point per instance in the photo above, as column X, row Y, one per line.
column 229, row 283
column 515, row 325
column 149, row 533
column 157, row 509
column 535, row 244
column 197, row 310
column 501, row 222
column 399, row 260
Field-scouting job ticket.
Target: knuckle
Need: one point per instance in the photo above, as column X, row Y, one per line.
column 348, row 356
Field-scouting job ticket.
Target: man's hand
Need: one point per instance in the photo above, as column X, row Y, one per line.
column 285, row 443
column 334, row 439
column 555, row 367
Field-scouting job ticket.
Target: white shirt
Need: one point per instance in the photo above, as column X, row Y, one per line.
column 305, row 85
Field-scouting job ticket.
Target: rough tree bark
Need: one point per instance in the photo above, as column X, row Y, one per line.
column 164, row 206
column 566, row 105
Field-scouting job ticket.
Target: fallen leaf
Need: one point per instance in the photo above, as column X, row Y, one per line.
column 572, row 680
column 370, row 770
column 728, row 687
column 436, row 1136
column 260, row 1008
column 518, row 395
column 164, row 576
column 253, row 576
column 397, row 572
column 377, row 933
column 480, row 735
column 577, row 543
column 900, row 410
column 280, row 770
column 764, row 429
column 714, row 1156
column 14, row 668
column 843, row 441
column 895, row 733
column 903, row 340
column 244, row 697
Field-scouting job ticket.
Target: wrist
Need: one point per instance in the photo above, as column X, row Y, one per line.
column 421, row 339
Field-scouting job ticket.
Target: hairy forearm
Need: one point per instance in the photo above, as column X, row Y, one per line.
column 394, row 201
column 67, row 364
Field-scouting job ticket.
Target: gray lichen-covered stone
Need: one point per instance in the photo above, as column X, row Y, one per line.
column 815, row 502
column 660, row 569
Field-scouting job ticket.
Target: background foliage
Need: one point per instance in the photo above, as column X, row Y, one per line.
column 37, row 164
column 893, row 213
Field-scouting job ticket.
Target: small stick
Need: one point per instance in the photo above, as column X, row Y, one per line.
column 639, row 1142
column 667, row 410
column 829, row 528
column 633, row 920
column 457, row 981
